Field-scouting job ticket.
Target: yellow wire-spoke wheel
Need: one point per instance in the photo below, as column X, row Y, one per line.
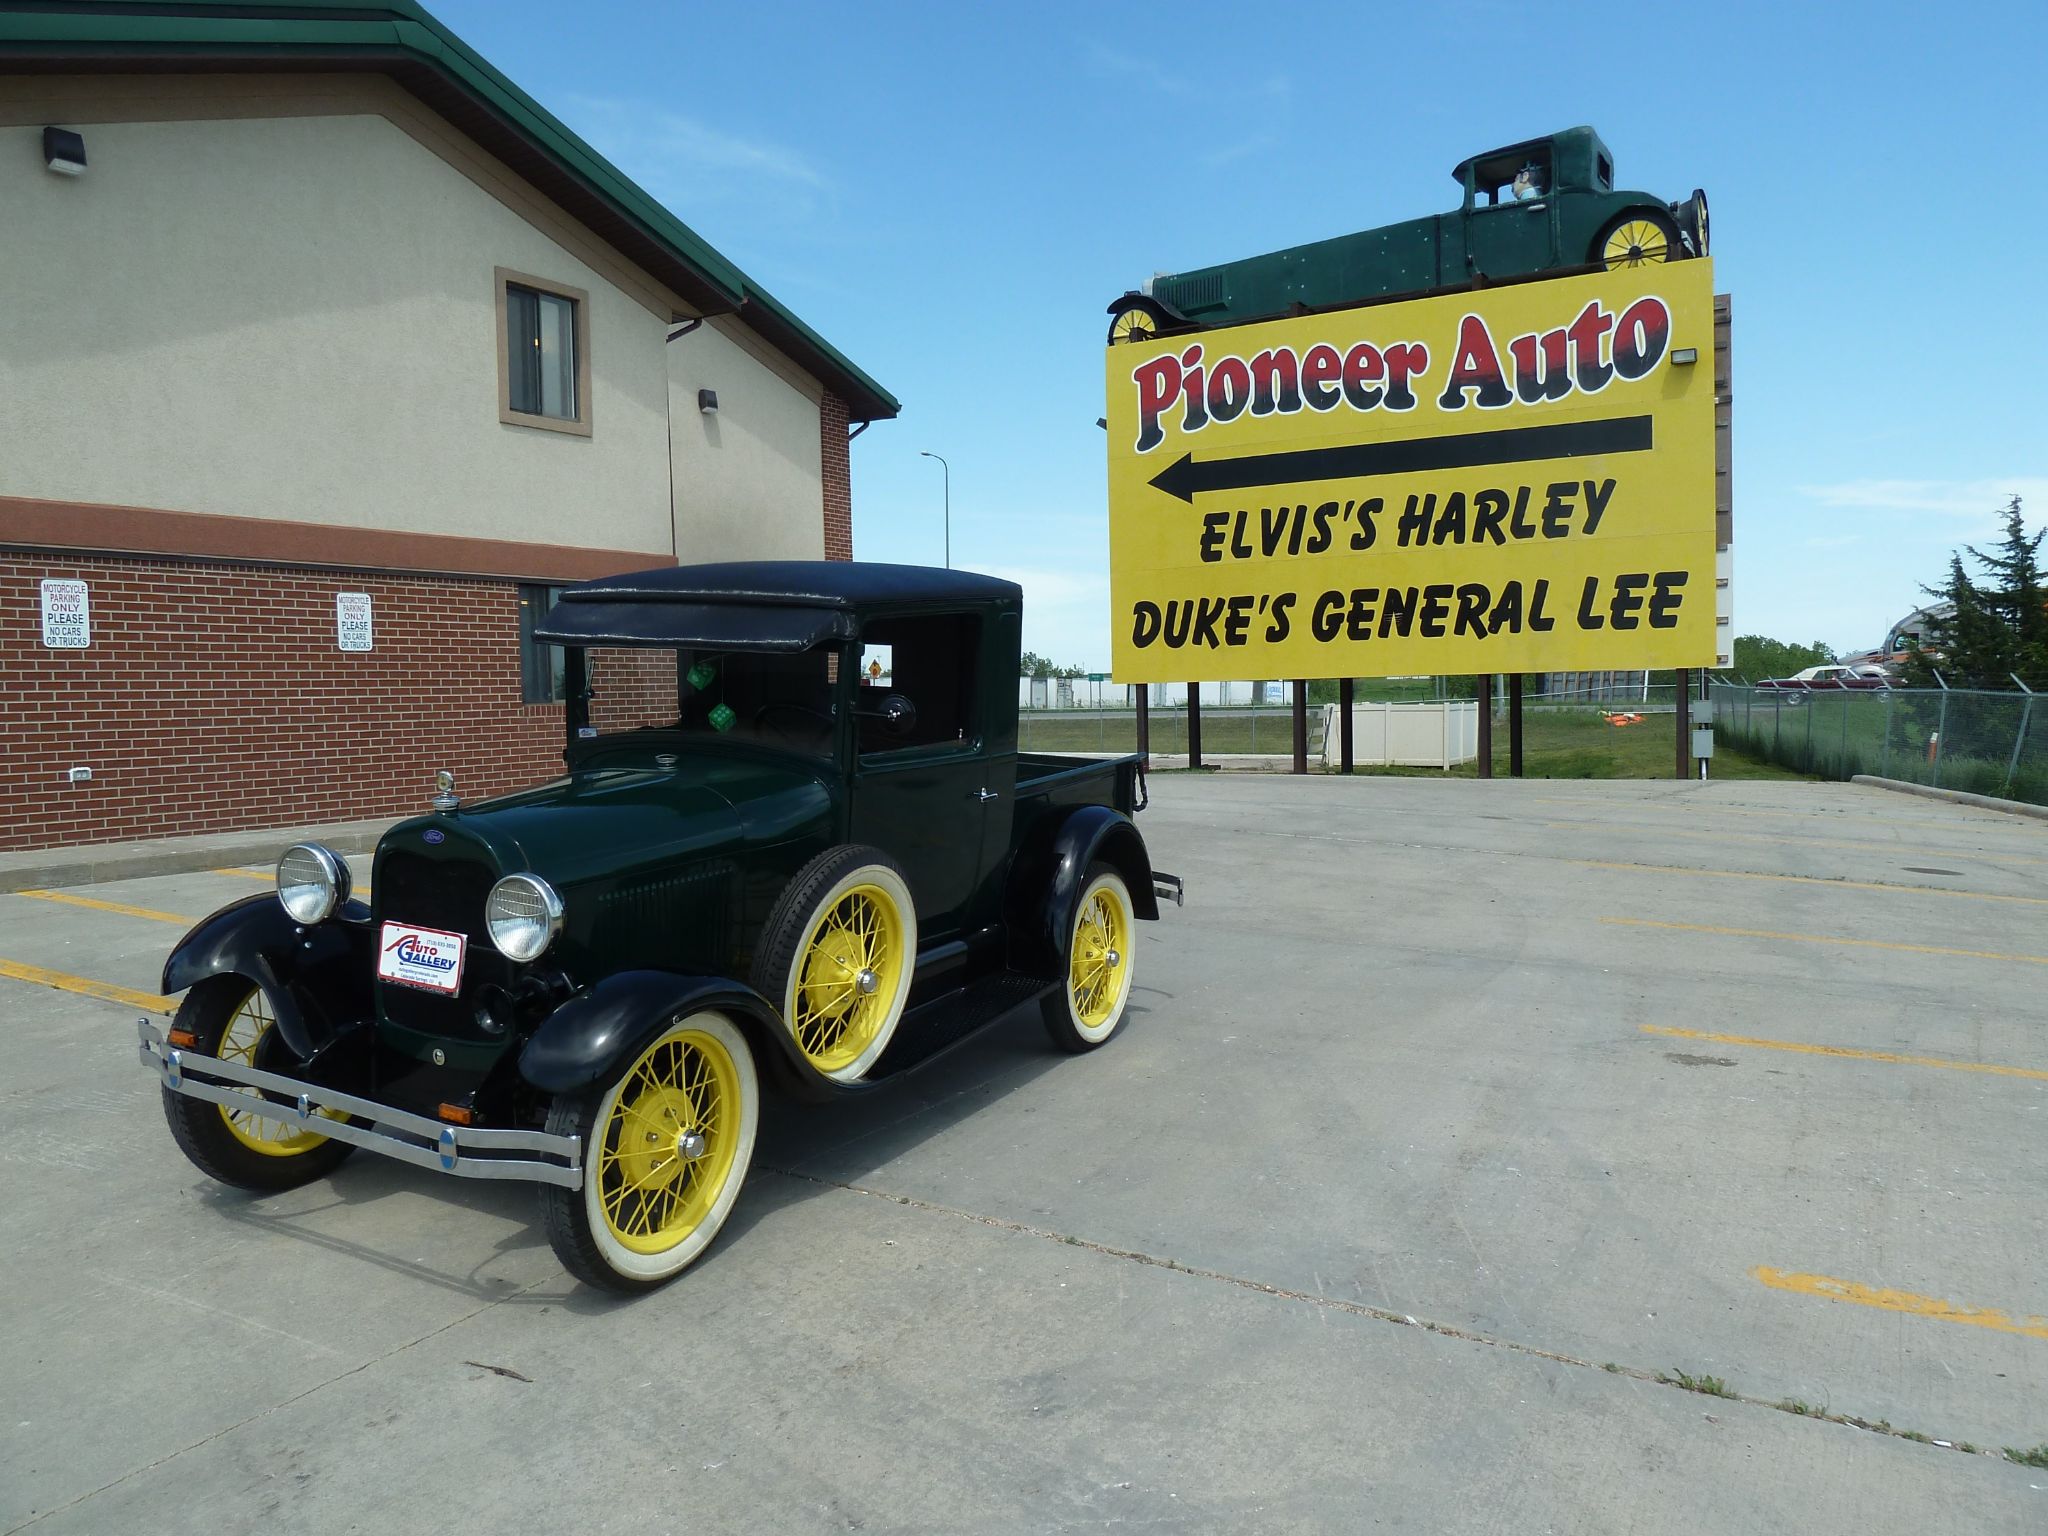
column 262, row 1134
column 254, row 1147
column 1099, row 968
column 1087, row 1009
column 1636, row 243
column 852, row 968
column 836, row 956
column 1132, row 325
column 666, row 1148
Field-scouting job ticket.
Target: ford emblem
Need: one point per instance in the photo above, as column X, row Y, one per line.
column 436, row 835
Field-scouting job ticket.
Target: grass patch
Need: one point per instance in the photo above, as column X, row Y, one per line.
column 1710, row 1386
column 2037, row 1457
column 1556, row 743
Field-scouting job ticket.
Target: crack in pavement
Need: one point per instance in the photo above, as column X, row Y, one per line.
column 1360, row 1309
column 297, row 1397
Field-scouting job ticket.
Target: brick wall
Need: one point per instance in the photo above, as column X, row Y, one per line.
column 214, row 697
column 838, row 475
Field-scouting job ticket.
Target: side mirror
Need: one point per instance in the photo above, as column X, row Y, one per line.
column 899, row 715
column 896, row 713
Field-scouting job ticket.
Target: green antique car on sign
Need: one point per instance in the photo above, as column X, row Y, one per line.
column 795, row 845
column 1542, row 206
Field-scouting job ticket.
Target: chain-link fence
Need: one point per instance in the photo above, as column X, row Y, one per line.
column 1987, row 743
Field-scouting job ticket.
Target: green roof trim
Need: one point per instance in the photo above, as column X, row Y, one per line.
column 402, row 38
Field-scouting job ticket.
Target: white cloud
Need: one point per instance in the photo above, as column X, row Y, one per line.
column 680, row 159
column 1066, row 612
column 1979, row 500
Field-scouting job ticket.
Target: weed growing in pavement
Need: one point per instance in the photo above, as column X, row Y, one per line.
column 1712, row 1386
column 1611, row 1366
column 1794, row 1405
column 2037, row 1457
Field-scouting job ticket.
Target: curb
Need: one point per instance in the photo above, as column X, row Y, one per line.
column 48, row 868
column 1954, row 796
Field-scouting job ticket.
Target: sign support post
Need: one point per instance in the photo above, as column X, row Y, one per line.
column 1514, row 725
column 1345, row 759
column 1145, row 721
column 1486, row 725
column 1194, row 725
column 1684, row 692
column 1301, row 725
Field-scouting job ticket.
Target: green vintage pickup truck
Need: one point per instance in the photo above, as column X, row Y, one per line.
column 795, row 845
column 1542, row 206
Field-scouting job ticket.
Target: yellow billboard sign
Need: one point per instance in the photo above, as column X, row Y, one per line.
column 1518, row 479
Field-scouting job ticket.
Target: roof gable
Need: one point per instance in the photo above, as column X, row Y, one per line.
column 402, row 39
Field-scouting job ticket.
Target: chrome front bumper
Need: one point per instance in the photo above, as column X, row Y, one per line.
column 396, row 1132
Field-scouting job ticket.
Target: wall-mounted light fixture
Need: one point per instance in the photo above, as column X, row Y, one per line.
column 1683, row 356
column 64, row 151
column 707, row 400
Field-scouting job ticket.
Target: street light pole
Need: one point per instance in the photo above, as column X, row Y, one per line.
column 926, row 453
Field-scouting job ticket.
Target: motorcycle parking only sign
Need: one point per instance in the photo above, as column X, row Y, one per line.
column 67, row 616
column 352, row 620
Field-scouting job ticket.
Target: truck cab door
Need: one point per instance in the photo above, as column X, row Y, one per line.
column 921, row 792
column 1511, row 239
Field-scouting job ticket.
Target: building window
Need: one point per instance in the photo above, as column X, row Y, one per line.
column 543, row 354
column 540, row 666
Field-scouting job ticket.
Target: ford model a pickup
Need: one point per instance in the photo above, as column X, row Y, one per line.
column 1542, row 206
column 795, row 844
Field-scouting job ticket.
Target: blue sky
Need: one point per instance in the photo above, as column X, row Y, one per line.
column 953, row 193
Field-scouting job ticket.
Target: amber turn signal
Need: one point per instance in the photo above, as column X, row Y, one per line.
column 460, row 1114
column 184, row 1039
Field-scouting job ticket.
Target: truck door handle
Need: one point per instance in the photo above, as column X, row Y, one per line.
column 986, row 795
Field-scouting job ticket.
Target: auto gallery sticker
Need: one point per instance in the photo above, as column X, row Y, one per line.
column 67, row 616
column 1517, row 479
column 352, row 620
column 427, row 958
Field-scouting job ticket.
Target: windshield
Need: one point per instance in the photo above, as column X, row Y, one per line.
column 785, row 702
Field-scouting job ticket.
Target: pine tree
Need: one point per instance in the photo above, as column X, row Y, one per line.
column 1997, row 626
column 2017, row 593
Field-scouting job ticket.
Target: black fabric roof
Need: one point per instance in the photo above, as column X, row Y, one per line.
column 834, row 584
column 695, row 626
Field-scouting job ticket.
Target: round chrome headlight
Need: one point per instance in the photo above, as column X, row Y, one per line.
column 523, row 914
column 311, row 882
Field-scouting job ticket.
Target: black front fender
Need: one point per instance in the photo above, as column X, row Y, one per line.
column 316, row 979
column 597, row 1032
column 1047, row 880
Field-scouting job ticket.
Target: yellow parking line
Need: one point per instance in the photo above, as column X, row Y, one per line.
column 97, row 905
column 1894, row 1057
column 1825, row 938
column 149, row 1002
column 1839, row 885
column 1828, row 1288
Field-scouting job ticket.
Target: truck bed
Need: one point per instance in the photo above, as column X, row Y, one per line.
column 1052, row 779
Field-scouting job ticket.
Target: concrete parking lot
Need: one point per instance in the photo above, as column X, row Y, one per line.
column 1452, row 1117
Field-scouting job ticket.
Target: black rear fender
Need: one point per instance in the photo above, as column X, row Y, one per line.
column 1050, row 873
column 594, row 1035
column 317, row 979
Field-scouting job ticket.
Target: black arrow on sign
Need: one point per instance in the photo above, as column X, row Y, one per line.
column 1508, row 445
